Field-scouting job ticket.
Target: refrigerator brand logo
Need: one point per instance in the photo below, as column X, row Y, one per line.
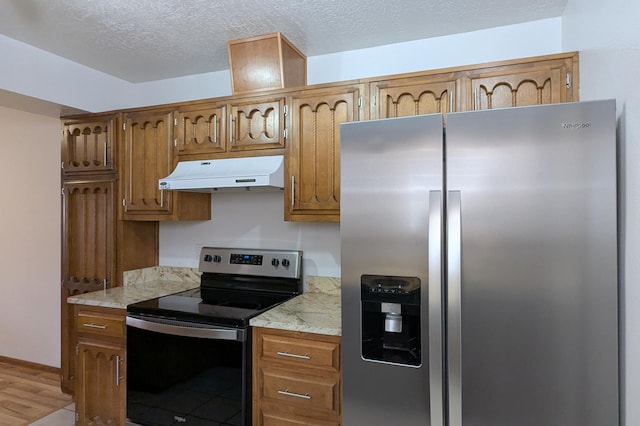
column 576, row 126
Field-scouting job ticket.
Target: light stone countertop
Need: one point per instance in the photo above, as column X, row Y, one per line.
column 316, row 311
column 141, row 284
column 120, row 297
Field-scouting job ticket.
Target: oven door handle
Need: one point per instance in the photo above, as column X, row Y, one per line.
column 181, row 328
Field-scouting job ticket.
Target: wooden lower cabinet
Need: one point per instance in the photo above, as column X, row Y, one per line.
column 296, row 378
column 100, row 393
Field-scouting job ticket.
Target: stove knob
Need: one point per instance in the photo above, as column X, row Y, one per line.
column 208, row 258
column 217, row 258
column 285, row 263
column 275, row 262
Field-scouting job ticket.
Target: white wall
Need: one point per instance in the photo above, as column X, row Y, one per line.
column 30, row 237
column 607, row 35
column 495, row 44
column 42, row 75
column 252, row 220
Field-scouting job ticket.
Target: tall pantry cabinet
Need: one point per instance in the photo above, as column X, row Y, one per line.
column 96, row 246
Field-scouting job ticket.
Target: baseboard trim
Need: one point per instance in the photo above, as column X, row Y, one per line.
column 28, row 364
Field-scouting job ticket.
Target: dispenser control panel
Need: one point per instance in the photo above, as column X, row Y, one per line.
column 390, row 319
column 390, row 288
column 386, row 286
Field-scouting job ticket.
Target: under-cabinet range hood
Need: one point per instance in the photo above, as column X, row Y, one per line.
column 228, row 174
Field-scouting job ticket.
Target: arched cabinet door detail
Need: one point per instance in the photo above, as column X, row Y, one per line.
column 414, row 96
column 88, row 146
column 312, row 175
column 533, row 83
column 149, row 154
column 257, row 124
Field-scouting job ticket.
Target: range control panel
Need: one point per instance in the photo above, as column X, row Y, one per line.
column 246, row 259
column 259, row 262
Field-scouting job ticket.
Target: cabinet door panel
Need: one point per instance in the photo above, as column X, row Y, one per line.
column 202, row 130
column 313, row 191
column 518, row 89
column 148, row 158
column 89, row 233
column 409, row 97
column 100, row 386
column 256, row 125
column 89, row 146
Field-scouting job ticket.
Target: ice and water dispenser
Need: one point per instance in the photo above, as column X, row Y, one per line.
column 391, row 319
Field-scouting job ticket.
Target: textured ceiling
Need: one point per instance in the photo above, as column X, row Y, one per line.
column 144, row 40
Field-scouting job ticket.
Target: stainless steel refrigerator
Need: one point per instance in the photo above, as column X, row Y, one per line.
column 479, row 268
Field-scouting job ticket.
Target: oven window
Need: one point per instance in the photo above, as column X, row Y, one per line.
column 185, row 380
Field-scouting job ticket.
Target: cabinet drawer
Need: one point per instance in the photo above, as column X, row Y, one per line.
column 306, row 391
column 301, row 352
column 100, row 323
column 277, row 418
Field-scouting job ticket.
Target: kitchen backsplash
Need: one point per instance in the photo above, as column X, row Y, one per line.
column 329, row 285
column 157, row 273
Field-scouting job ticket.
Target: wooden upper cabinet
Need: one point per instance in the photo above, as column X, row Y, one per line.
column 88, row 145
column 413, row 96
column 202, row 129
column 312, row 168
column 231, row 129
column 256, row 124
column 149, row 156
column 301, row 123
column 543, row 81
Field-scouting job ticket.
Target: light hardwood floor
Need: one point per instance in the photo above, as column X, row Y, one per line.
column 28, row 392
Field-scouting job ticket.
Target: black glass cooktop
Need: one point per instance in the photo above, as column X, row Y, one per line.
column 201, row 305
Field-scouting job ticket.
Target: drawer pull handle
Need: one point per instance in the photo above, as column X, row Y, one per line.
column 92, row 325
column 297, row 395
column 305, row 356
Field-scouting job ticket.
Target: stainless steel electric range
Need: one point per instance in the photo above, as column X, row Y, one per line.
column 189, row 353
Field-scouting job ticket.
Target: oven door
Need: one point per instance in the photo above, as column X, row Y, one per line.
column 185, row 373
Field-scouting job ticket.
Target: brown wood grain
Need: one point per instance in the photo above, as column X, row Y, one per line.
column 28, row 392
column 310, row 378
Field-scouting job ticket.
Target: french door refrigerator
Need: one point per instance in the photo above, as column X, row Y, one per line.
column 479, row 268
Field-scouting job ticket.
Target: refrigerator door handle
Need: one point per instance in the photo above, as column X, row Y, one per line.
column 454, row 290
column 436, row 374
